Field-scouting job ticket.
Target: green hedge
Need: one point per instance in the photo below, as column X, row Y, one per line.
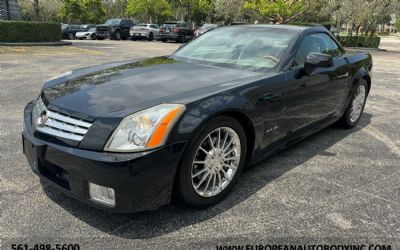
column 360, row 41
column 21, row 31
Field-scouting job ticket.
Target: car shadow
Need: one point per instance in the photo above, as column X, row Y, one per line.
column 173, row 217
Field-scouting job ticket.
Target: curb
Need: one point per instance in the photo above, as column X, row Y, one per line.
column 60, row 43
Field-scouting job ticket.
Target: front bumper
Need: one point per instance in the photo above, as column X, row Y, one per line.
column 104, row 34
column 82, row 37
column 142, row 181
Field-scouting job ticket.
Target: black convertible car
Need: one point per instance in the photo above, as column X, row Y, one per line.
column 129, row 136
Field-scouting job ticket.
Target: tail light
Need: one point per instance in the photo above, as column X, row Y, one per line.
column 176, row 30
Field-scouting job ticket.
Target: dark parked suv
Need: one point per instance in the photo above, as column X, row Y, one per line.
column 69, row 31
column 114, row 29
column 177, row 31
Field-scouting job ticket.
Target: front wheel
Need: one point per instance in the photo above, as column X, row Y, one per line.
column 71, row 36
column 117, row 35
column 353, row 112
column 151, row 37
column 93, row 37
column 212, row 163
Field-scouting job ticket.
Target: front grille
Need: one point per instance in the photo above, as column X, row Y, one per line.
column 103, row 29
column 60, row 125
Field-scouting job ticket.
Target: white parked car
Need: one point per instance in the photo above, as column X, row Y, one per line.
column 90, row 34
column 144, row 31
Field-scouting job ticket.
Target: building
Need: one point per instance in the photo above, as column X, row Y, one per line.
column 9, row 10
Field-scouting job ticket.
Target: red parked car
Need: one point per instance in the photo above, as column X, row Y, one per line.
column 204, row 28
column 176, row 30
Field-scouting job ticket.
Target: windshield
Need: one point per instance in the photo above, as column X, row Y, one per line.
column 113, row 21
column 92, row 30
column 245, row 47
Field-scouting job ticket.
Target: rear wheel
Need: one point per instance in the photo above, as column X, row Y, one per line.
column 212, row 163
column 93, row 37
column 163, row 40
column 71, row 36
column 353, row 112
column 183, row 39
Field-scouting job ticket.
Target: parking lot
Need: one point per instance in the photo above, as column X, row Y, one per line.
column 338, row 186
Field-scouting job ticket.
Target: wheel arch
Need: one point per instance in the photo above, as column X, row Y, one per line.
column 247, row 125
column 367, row 78
column 236, row 114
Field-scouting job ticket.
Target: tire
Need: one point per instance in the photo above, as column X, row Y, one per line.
column 71, row 36
column 183, row 39
column 93, row 37
column 151, row 37
column 187, row 179
column 163, row 40
column 117, row 35
column 354, row 110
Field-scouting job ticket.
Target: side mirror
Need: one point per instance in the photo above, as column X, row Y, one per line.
column 317, row 60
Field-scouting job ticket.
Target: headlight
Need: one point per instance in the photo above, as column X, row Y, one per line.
column 146, row 129
column 38, row 109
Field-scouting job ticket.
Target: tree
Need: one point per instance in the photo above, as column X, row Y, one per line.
column 71, row 11
column 115, row 8
column 319, row 13
column 202, row 11
column 92, row 11
column 43, row 10
column 279, row 11
column 153, row 11
column 36, row 10
column 228, row 11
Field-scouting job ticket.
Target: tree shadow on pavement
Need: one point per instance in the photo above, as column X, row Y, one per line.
column 173, row 217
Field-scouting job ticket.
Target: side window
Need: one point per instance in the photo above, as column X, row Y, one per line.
column 318, row 42
column 182, row 25
column 129, row 22
column 154, row 26
column 335, row 49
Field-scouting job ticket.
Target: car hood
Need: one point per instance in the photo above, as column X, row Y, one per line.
column 105, row 25
column 93, row 92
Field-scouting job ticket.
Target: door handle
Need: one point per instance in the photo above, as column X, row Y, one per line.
column 270, row 97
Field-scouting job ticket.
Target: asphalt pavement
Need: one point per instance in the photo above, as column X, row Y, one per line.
column 338, row 186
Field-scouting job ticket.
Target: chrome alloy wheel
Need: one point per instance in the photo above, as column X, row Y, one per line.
column 216, row 162
column 358, row 103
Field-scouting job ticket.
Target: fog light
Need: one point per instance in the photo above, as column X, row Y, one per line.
column 104, row 195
